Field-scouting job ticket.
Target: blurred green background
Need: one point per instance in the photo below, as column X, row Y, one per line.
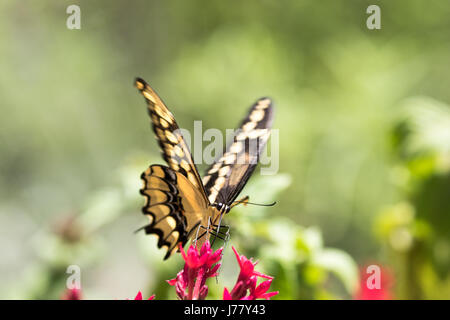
column 364, row 151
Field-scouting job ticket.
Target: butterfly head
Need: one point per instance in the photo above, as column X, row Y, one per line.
column 222, row 207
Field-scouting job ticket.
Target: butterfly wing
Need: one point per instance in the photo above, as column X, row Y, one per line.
column 225, row 179
column 174, row 206
column 176, row 201
column 173, row 147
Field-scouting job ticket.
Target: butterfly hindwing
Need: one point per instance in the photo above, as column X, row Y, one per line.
column 225, row 179
column 174, row 206
column 173, row 146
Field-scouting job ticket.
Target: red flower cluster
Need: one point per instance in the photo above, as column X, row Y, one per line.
column 75, row 294
column 247, row 280
column 190, row 282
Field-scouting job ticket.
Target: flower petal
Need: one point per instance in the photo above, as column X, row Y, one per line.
column 269, row 294
column 238, row 257
column 262, row 288
column 226, row 294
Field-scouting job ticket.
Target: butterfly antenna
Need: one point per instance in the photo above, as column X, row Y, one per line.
column 256, row 204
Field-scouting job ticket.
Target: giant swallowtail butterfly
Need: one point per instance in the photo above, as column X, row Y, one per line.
column 177, row 201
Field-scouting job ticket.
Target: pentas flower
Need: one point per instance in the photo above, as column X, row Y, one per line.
column 190, row 283
column 139, row 296
column 247, row 282
column 75, row 294
column 368, row 289
column 72, row 294
column 199, row 266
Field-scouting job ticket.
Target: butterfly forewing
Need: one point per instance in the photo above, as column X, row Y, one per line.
column 225, row 179
column 173, row 146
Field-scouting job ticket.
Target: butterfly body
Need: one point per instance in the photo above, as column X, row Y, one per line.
column 177, row 201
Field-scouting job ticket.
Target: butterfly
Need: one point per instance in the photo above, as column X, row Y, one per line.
column 178, row 202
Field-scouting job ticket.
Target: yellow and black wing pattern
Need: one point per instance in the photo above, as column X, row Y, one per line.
column 226, row 178
column 176, row 202
column 173, row 147
column 174, row 206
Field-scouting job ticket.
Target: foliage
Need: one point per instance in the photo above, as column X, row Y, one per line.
column 414, row 230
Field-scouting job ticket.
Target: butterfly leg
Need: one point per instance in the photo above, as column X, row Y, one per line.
column 222, row 235
column 218, row 228
column 197, row 237
column 219, row 231
column 216, row 231
column 225, row 239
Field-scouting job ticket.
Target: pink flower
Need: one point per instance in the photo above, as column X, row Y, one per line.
column 72, row 294
column 139, row 296
column 75, row 294
column 367, row 292
column 199, row 266
column 247, row 281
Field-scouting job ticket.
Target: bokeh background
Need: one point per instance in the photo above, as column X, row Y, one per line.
column 364, row 150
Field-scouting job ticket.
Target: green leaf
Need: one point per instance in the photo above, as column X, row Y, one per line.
column 341, row 264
